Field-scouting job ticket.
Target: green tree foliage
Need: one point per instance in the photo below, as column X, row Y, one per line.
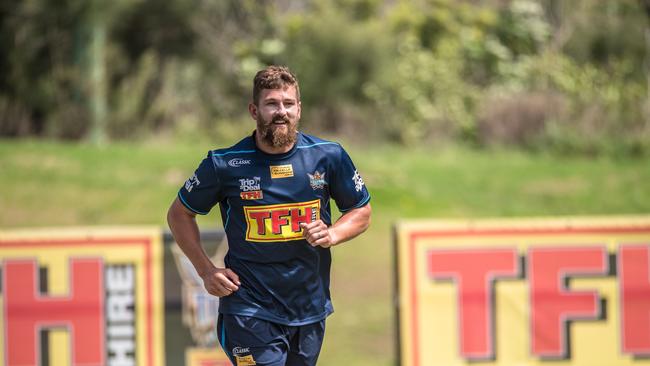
column 539, row 74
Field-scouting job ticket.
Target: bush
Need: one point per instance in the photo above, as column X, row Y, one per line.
column 565, row 76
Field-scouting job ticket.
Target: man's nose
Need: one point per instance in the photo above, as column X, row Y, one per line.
column 282, row 110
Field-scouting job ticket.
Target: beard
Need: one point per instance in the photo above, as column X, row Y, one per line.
column 276, row 136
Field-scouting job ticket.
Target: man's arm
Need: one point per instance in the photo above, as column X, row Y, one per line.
column 182, row 222
column 348, row 226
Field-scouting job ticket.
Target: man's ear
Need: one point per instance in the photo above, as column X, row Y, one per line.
column 252, row 109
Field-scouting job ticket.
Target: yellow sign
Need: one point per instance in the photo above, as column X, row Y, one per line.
column 95, row 295
column 562, row 292
column 281, row 171
column 279, row 222
column 206, row 357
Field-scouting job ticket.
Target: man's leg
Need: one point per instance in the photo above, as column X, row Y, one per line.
column 250, row 341
column 305, row 344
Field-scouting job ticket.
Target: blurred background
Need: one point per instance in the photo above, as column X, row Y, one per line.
column 568, row 76
column 449, row 108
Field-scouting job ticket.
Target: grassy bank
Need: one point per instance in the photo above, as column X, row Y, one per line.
column 53, row 184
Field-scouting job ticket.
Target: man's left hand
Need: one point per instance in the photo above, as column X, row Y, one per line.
column 318, row 234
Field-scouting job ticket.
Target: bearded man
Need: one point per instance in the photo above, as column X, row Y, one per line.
column 273, row 189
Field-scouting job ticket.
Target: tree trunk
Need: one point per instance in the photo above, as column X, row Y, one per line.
column 97, row 75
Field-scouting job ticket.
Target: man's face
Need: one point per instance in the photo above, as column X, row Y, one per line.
column 277, row 115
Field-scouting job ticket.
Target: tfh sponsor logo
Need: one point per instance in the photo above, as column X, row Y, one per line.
column 279, row 222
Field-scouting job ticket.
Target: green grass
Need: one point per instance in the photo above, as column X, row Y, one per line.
column 60, row 184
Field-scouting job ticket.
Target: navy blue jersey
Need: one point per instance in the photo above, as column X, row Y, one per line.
column 263, row 199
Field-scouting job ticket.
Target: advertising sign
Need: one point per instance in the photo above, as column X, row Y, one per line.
column 81, row 297
column 557, row 292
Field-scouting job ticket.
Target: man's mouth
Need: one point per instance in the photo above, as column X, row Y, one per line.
column 280, row 121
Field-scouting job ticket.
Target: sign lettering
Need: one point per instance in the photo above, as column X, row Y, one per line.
column 81, row 312
column 279, row 222
column 525, row 292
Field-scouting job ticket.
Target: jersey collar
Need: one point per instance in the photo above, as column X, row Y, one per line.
column 281, row 156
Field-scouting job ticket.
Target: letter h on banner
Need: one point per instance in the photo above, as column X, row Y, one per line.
column 27, row 312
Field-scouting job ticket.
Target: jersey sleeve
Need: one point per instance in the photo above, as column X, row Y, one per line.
column 202, row 190
column 347, row 187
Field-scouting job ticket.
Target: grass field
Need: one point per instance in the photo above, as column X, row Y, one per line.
column 54, row 184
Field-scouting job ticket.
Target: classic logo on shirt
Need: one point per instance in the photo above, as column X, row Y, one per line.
column 279, row 222
column 281, row 171
column 317, row 180
column 237, row 162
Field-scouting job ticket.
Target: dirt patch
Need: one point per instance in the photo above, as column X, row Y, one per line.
column 556, row 187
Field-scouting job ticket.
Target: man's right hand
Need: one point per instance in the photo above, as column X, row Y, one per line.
column 221, row 281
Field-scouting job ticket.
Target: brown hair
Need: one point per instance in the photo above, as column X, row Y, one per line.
column 274, row 77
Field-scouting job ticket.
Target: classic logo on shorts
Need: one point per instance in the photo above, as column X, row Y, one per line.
column 281, row 171
column 242, row 358
column 240, row 350
column 279, row 222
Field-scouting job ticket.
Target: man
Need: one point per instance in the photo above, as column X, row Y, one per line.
column 274, row 191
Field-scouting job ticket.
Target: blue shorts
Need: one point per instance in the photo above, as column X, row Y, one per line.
column 253, row 341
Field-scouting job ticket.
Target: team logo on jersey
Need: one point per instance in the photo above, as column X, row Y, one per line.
column 358, row 181
column 237, row 162
column 281, row 222
column 192, row 182
column 317, row 180
column 281, row 171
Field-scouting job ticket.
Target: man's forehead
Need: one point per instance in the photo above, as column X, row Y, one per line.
column 286, row 91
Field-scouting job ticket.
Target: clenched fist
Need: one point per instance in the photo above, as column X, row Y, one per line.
column 318, row 234
column 221, row 281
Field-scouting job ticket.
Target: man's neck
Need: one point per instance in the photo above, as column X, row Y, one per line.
column 268, row 148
